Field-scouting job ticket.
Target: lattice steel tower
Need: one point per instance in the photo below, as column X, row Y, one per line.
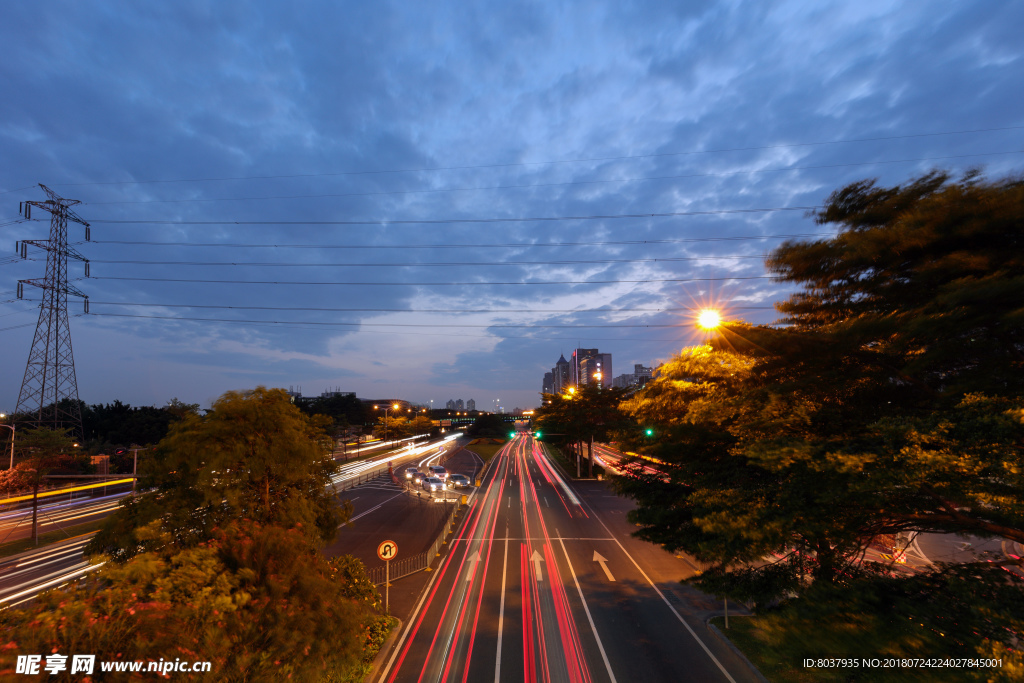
column 49, row 392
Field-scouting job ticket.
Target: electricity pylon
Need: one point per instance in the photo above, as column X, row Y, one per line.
column 49, row 391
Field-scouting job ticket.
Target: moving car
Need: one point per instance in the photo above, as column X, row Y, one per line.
column 459, row 480
column 418, row 477
column 438, row 471
column 411, row 472
column 433, row 484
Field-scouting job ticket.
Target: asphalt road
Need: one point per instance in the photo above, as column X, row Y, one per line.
column 543, row 583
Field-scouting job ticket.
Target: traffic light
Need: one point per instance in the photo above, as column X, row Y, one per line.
column 511, row 435
column 649, row 432
column 536, row 435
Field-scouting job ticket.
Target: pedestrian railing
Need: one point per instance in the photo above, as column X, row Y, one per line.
column 360, row 479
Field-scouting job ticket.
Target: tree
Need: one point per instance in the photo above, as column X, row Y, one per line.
column 257, row 601
column 890, row 402
column 253, row 456
column 588, row 413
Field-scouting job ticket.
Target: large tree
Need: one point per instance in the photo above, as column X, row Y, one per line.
column 888, row 401
column 254, row 455
column 259, row 602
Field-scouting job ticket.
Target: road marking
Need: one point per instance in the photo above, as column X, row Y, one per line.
column 472, row 565
column 593, row 627
column 363, row 514
column 501, row 617
column 603, row 561
column 664, row 599
column 546, row 501
column 537, row 559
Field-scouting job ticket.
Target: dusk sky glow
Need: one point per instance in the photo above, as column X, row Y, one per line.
column 356, row 195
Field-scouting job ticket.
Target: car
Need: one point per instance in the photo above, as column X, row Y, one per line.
column 433, row 484
column 411, row 472
column 438, row 471
column 418, row 477
column 459, row 480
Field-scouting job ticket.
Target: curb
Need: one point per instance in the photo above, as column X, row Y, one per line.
column 725, row 639
column 383, row 651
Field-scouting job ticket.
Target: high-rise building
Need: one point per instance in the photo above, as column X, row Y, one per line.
column 459, row 405
column 579, row 357
column 595, row 368
column 471, row 405
column 561, row 375
column 640, row 376
column 549, row 383
column 450, row 405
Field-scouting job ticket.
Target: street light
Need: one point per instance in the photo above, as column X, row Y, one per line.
column 11, row 427
column 709, row 319
column 386, row 410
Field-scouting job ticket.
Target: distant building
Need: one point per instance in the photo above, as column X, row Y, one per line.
column 450, row 405
column 470, row 405
column 640, row 376
column 596, row 368
column 561, row 375
column 549, row 383
column 579, row 358
column 459, row 405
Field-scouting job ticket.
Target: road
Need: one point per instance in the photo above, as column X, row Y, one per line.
column 542, row 585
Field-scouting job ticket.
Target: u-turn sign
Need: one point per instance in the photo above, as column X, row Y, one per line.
column 387, row 550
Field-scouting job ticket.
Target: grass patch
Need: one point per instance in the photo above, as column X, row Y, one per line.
column 743, row 632
column 21, row 545
column 485, row 450
column 567, row 463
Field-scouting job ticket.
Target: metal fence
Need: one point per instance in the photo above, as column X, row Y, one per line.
column 415, row 563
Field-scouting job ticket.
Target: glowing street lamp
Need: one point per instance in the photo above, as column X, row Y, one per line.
column 709, row 319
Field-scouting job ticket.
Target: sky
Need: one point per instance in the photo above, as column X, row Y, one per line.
column 348, row 195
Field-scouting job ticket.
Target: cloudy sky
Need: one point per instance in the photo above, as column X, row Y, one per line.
column 340, row 194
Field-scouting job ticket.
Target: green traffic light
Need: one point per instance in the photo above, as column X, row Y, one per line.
column 537, row 435
column 650, row 432
column 511, row 435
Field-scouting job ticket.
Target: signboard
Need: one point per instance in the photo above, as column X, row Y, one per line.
column 387, row 550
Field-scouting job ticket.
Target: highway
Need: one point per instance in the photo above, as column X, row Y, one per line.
column 539, row 587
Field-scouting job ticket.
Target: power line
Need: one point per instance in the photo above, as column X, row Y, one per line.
column 536, row 163
column 365, row 324
column 417, row 310
column 559, row 184
column 512, row 245
column 383, row 222
column 430, row 284
column 429, row 264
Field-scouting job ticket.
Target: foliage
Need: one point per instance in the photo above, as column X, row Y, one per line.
column 588, row 412
column 488, row 424
column 891, row 401
column 253, row 455
column 342, row 409
column 953, row 611
column 259, row 602
column 39, row 452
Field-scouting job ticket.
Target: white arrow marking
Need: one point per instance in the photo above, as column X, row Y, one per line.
column 537, row 559
column 603, row 561
column 472, row 565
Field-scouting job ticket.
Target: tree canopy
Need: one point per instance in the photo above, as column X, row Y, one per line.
column 889, row 399
column 253, row 456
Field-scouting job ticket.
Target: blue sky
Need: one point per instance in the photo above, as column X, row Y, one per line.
column 244, row 134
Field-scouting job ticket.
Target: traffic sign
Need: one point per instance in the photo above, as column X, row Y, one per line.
column 387, row 550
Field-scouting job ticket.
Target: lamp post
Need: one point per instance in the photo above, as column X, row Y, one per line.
column 11, row 428
column 386, row 410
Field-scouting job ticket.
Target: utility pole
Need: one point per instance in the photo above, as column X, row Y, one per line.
column 49, row 390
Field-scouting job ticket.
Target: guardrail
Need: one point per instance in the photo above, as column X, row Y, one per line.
column 415, row 563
